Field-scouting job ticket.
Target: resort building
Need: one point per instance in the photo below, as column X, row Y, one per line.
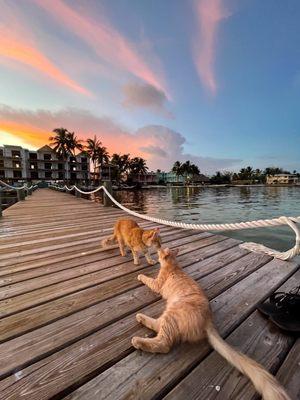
column 18, row 164
column 285, row 179
column 172, row 178
column 105, row 172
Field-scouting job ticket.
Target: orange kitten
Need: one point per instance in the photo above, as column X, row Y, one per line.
column 128, row 234
column 188, row 318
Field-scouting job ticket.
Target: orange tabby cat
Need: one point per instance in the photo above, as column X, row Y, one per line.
column 188, row 318
column 128, row 233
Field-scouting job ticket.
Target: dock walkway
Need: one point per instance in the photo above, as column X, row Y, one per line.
column 67, row 310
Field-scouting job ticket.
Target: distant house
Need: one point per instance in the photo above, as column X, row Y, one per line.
column 285, row 179
column 172, row 178
column 150, row 178
column 106, row 172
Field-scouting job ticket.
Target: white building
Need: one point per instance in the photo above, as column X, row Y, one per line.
column 286, row 179
column 18, row 164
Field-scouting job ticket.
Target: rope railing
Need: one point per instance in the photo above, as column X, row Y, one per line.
column 262, row 223
column 18, row 187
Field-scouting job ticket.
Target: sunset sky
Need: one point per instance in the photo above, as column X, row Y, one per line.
column 213, row 81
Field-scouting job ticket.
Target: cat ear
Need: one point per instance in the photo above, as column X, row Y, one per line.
column 167, row 251
column 175, row 252
column 155, row 232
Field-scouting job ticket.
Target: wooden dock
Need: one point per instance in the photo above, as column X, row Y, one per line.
column 67, row 310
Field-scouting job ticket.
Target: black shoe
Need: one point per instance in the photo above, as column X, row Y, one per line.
column 287, row 322
column 283, row 309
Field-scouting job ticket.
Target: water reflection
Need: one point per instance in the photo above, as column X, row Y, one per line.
column 220, row 204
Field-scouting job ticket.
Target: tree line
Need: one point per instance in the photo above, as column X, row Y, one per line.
column 248, row 175
column 66, row 143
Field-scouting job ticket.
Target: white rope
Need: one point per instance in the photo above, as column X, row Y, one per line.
column 13, row 187
column 262, row 223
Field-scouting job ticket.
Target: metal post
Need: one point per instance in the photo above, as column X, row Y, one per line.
column 77, row 194
column 29, row 192
column 21, row 194
column 106, row 200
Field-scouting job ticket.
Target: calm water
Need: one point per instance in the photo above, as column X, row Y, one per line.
column 222, row 204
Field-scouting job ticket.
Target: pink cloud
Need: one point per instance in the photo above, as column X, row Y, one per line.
column 209, row 15
column 106, row 41
column 18, row 45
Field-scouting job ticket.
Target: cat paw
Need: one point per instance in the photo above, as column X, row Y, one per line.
column 139, row 318
column 151, row 262
column 135, row 341
column 140, row 277
column 136, row 262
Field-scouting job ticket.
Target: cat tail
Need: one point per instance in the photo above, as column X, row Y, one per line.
column 110, row 240
column 265, row 383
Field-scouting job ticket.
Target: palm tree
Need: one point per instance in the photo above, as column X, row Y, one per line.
column 92, row 146
column 177, row 169
column 59, row 142
column 103, row 155
column 122, row 162
column 138, row 166
column 92, row 149
column 73, row 143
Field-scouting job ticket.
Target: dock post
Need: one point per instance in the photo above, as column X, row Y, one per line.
column 1, row 191
column 106, row 200
column 21, row 194
column 77, row 194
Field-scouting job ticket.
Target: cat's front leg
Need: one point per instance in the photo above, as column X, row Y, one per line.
column 136, row 258
column 150, row 282
column 150, row 260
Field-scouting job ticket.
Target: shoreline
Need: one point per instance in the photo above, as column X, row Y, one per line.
column 209, row 186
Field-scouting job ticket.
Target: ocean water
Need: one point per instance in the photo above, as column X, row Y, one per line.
column 219, row 205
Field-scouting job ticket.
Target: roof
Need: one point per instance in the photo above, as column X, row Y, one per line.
column 46, row 148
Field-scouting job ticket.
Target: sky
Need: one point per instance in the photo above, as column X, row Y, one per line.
column 213, row 81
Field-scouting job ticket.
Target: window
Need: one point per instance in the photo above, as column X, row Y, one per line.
column 73, row 168
column 84, row 167
column 72, row 159
column 2, row 175
column 47, row 156
column 73, row 176
column 33, row 156
column 1, row 153
column 16, row 164
column 60, row 166
column 61, row 176
column 83, row 159
column 48, row 174
column 17, row 174
column 34, row 175
column 1, row 164
column 48, row 166
column 32, row 166
column 16, row 153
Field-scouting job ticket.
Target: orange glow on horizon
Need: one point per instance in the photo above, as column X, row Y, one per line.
column 32, row 137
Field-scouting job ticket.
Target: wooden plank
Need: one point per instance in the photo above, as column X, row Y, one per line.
column 289, row 372
column 259, row 339
column 81, row 266
column 141, row 375
column 78, row 361
column 23, row 301
column 78, row 256
column 24, row 321
column 51, row 337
